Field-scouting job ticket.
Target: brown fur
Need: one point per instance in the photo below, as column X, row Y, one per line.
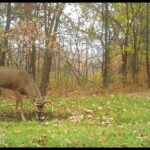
column 21, row 83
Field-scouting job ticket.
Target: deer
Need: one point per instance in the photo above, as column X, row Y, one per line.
column 22, row 83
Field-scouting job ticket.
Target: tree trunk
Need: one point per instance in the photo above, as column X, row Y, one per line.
column 147, row 46
column 46, row 71
column 124, row 67
column 106, row 57
column 124, row 53
column 135, row 54
column 49, row 51
column 3, row 53
column 33, row 60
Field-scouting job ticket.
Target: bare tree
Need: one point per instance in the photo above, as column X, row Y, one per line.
column 106, row 57
column 50, row 27
column 5, row 47
column 147, row 44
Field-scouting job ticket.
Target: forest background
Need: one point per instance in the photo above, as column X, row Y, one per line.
column 74, row 48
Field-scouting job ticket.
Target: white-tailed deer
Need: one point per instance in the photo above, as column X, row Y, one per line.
column 22, row 83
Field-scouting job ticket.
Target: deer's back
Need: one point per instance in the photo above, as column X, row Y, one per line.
column 13, row 78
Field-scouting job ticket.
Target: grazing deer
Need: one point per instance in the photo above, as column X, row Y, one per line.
column 22, row 83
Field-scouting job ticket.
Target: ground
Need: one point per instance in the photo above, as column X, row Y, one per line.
column 79, row 121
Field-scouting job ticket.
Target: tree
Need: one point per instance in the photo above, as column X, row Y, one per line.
column 106, row 56
column 5, row 45
column 51, row 25
column 147, row 44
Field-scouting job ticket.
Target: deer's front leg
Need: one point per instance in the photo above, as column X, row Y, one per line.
column 19, row 103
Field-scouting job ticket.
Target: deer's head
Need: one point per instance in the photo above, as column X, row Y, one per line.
column 39, row 106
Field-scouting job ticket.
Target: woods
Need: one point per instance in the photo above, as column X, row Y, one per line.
column 99, row 44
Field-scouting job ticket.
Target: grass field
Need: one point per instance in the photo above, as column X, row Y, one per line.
column 79, row 121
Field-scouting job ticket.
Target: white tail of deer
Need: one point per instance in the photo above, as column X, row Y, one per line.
column 22, row 83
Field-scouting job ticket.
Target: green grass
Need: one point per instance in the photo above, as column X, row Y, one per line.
column 110, row 121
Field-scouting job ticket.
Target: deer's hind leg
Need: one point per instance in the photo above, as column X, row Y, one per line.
column 19, row 107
